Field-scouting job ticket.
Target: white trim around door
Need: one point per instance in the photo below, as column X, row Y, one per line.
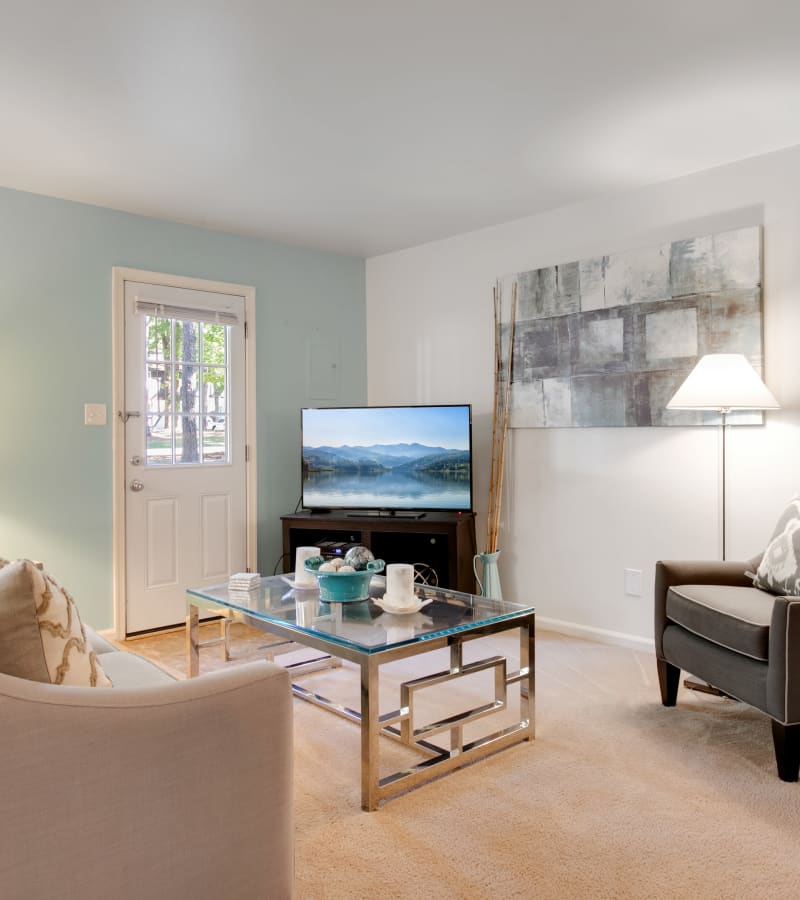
column 119, row 277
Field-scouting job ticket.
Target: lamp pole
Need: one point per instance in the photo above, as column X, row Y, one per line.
column 723, row 382
column 724, row 410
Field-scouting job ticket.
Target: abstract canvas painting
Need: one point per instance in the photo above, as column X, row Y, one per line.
column 607, row 341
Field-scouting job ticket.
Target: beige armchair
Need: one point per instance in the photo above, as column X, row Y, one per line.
column 166, row 789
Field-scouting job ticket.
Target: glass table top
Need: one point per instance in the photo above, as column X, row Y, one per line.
column 361, row 625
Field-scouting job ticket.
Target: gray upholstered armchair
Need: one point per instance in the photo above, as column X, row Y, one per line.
column 711, row 621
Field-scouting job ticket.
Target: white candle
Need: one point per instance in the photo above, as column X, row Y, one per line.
column 300, row 557
column 400, row 580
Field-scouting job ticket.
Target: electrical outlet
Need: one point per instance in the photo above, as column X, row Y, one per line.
column 633, row 582
column 94, row 414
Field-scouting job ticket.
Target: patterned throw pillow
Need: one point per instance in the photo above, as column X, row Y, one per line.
column 41, row 634
column 779, row 570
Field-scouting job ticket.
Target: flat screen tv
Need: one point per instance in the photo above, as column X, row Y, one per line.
column 387, row 458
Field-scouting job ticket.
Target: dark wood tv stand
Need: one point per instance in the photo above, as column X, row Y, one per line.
column 443, row 540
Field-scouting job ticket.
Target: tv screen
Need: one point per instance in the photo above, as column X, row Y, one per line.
column 388, row 458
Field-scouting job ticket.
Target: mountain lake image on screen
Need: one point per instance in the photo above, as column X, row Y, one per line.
column 388, row 457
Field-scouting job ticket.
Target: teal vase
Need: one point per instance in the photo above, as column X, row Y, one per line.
column 490, row 583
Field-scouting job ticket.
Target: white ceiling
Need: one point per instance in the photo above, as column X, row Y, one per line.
column 364, row 126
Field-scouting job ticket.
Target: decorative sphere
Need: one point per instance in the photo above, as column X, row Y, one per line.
column 345, row 569
column 358, row 557
column 326, row 567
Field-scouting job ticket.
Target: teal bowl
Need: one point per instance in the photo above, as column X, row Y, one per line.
column 343, row 587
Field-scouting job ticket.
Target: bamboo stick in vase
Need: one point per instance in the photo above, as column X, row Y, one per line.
column 492, row 463
column 504, row 420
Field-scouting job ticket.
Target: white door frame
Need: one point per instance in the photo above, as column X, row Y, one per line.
column 119, row 277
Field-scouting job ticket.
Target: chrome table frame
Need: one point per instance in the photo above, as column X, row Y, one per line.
column 399, row 723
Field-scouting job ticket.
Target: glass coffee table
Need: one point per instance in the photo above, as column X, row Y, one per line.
column 363, row 634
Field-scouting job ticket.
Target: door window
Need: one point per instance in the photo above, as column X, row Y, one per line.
column 186, row 384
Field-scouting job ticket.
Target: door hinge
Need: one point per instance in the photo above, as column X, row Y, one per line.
column 246, row 330
column 247, row 452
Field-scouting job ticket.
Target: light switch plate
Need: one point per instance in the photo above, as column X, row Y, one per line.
column 94, row 414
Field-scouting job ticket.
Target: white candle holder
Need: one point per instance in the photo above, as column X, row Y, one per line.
column 400, row 581
column 301, row 576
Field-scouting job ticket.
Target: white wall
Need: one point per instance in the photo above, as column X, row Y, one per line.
column 584, row 504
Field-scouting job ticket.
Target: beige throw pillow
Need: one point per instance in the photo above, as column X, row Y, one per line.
column 41, row 634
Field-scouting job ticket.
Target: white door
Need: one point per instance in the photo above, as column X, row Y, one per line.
column 185, row 445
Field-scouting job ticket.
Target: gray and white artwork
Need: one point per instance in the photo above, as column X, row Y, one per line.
column 607, row 341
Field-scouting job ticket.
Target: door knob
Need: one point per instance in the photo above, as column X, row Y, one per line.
column 136, row 485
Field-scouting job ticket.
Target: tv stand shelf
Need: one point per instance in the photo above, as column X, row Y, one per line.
column 443, row 540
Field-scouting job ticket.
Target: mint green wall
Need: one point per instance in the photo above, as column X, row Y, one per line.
column 55, row 355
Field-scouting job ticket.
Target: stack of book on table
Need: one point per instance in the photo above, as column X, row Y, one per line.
column 243, row 583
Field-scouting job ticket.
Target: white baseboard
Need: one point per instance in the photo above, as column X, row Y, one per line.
column 602, row 635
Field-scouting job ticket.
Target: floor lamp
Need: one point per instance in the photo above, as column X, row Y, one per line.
column 723, row 382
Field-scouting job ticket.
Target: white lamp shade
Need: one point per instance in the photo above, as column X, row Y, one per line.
column 723, row 381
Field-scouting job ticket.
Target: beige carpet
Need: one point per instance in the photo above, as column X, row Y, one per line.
column 617, row 797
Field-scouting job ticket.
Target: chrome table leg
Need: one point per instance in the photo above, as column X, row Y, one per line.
column 370, row 731
column 193, row 641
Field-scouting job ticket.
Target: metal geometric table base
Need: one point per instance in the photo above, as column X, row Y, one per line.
column 401, row 724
